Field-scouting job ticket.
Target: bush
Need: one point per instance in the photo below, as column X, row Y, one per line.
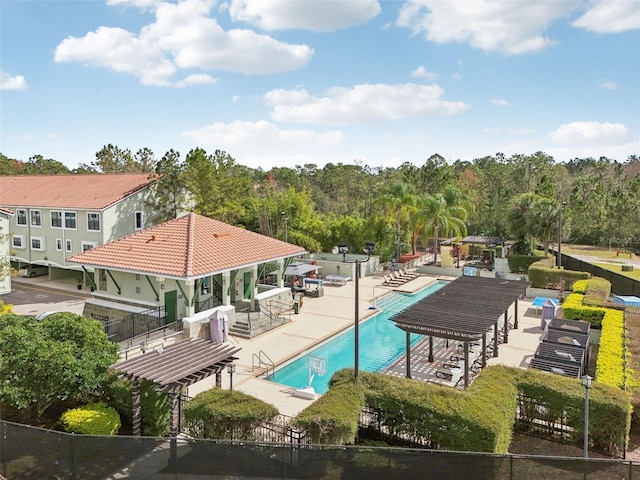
column 521, row 263
column 580, row 286
column 222, row 414
column 91, row 419
column 543, row 275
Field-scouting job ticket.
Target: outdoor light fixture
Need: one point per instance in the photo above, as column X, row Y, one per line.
column 286, row 227
column 231, row 369
column 559, row 259
column 343, row 249
column 586, row 381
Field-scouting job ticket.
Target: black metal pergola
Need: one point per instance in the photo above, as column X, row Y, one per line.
column 464, row 311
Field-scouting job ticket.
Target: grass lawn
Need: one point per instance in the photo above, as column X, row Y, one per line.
column 635, row 274
column 603, row 253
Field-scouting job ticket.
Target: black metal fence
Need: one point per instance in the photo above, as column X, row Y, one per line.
column 620, row 284
column 29, row 453
column 130, row 326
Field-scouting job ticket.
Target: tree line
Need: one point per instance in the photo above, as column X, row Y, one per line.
column 401, row 208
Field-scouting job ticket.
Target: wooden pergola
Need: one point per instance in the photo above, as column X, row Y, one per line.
column 464, row 311
column 174, row 368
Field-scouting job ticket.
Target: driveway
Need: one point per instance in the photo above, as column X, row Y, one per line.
column 32, row 296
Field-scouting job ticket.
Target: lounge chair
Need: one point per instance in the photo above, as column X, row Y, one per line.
column 406, row 273
column 399, row 278
column 389, row 282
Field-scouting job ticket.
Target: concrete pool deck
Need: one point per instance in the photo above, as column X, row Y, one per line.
column 322, row 318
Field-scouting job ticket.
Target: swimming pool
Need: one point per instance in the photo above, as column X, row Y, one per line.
column 381, row 342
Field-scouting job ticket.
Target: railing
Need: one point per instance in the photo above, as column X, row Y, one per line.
column 136, row 324
column 263, row 361
column 150, row 339
column 273, row 309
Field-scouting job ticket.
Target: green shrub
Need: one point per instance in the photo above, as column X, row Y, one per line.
column 543, row 275
column 598, row 292
column 573, row 308
column 611, row 365
column 521, row 263
column 91, row 419
column 222, row 414
column 333, row 419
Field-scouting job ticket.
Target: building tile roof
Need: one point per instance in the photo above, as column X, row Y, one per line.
column 90, row 191
column 190, row 246
column 7, row 212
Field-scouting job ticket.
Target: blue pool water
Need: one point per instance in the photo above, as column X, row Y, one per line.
column 381, row 342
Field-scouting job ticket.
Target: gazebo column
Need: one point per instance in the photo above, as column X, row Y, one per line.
column 226, row 282
column 190, row 305
column 135, row 411
column 495, row 339
column 218, row 379
column 279, row 275
column 430, row 348
column 254, row 287
column 408, row 348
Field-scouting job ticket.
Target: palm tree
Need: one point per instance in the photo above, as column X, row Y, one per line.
column 398, row 199
column 442, row 213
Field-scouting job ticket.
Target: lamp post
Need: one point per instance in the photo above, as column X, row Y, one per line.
column 586, row 381
column 231, row 368
column 343, row 249
column 559, row 259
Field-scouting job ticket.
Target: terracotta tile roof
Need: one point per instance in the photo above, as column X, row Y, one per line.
column 187, row 247
column 91, row 191
column 7, row 212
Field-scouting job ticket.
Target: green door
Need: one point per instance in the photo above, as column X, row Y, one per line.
column 170, row 305
column 247, row 285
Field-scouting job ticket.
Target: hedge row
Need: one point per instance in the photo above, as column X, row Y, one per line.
column 480, row 418
column 543, row 275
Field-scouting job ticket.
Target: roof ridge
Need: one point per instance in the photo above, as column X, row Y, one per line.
column 190, row 243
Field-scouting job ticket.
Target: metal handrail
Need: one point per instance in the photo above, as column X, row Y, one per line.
column 262, row 363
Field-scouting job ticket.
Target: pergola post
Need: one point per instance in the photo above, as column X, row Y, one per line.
column 466, row 364
column 408, row 347
column 218, row 379
column 430, row 348
column 495, row 339
column 506, row 326
column 135, row 411
column 173, row 428
column 515, row 316
column 484, row 350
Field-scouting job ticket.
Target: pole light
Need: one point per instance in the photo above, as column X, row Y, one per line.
column 343, row 249
column 286, row 226
column 559, row 259
column 586, row 381
column 231, row 369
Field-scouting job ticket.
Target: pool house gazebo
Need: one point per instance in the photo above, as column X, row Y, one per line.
column 465, row 311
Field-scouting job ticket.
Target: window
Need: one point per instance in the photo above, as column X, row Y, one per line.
column 56, row 219
column 88, row 246
column 21, row 216
column 59, row 244
column 205, row 286
column 93, row 221
column 18, row 241
column 139, row 221
column 36, row 218
column 37, row 243
column 70, row 220
column 137, row 276
column 69, row 246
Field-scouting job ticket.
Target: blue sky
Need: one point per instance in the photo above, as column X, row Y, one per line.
column 293, row 82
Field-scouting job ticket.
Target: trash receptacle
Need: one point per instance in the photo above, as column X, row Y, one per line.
column 296, row 307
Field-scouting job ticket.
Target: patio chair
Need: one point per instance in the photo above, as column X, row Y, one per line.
column 395, row 276
column 406, row 273
column 451, row 375
column 389, row 282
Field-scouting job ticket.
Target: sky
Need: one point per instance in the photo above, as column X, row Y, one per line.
column 286, row 83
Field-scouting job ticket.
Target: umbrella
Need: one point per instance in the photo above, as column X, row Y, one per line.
column 298, row 269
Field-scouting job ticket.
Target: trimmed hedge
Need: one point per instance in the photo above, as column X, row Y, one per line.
column 480, row 418
column 580, row 286
column 521, row 263
column 333, row 419
column 598, row 292
column 542, row 274
column 91, row 419
column 222, row 414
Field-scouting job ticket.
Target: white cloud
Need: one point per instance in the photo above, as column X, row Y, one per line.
column 361, row 104
column 319, row 16
column 265, row 134
column 608, row 85
column 610, row 16
column 499, row 102
column 596, row 133
column 183, row 36
column 9, row 82
column 421, row 72
column 142, row 4
column 491, row 25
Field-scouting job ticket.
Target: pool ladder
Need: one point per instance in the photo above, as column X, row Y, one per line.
column 262, row 360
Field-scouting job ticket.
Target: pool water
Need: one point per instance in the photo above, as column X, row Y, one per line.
column 381, row 343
